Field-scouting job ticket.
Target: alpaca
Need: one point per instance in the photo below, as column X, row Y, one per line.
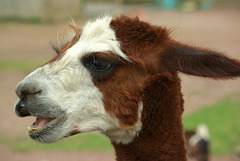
column 198, row 143
column 118, row 76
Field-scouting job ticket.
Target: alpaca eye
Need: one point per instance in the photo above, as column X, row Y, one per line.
column 97, row 65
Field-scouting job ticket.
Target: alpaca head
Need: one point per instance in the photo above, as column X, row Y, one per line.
column 96, row 81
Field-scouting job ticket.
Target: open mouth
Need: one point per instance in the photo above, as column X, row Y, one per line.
column 46, row 130
column 39, row 124
column 51, row 122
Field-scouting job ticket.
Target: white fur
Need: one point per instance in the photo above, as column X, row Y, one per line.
column 97, row 36
column 201, row 133
column 69, row 85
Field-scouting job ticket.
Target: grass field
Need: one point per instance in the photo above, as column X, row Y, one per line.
column 221, row 118
column 91, row 142
column 20, row 65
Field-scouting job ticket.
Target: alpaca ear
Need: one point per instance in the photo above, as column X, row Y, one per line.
column 200, row 62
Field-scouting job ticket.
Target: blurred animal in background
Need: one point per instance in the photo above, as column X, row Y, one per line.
column 198, row 143
column 119, row 76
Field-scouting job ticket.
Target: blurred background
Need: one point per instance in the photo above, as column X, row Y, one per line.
column 27, row 27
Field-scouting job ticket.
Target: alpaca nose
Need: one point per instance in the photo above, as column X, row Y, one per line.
column 21, row 109
column 25, row 92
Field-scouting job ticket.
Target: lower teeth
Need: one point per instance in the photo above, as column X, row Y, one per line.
column 31, row 129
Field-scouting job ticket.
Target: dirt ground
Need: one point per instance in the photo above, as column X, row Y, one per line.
column 216, row 29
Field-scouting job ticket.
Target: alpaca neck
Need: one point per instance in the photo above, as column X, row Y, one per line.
column 161, row 136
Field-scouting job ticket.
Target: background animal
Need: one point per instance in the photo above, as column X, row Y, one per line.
column 198, row 143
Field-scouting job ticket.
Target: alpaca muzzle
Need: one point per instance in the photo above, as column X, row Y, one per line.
column 21, row 109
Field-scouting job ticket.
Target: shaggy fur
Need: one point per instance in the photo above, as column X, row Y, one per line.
column 161, row 137
column 138, row 104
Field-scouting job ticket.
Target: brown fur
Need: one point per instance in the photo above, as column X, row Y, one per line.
column 122, row 96
column 200, row 62
column 151, row 77
column 161, row 137
column 201, row 150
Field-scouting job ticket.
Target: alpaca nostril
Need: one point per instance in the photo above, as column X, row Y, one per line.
column 26, row 92
column 21, row 109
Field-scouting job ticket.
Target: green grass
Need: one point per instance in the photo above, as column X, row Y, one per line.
column 223, row 121
column 85, row 142
column 20, row 65
column 20, row 20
